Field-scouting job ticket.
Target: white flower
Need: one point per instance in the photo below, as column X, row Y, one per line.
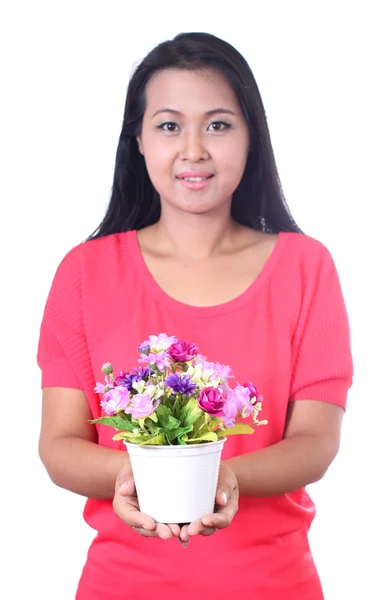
column 139, row 386
column 150, row 391
column 159, row 393
column 214, row 382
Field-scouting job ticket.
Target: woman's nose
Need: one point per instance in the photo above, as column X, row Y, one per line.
column 193, row 148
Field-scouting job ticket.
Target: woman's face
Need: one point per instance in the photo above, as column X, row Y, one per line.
column 194, row 139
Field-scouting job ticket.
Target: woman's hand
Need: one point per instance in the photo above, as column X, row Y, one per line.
column 126, row 506
column 227, row 504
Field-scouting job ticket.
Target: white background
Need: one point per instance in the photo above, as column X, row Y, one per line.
column 65, row 70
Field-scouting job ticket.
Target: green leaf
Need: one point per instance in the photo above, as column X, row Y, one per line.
column 192, row 412
column 198, row 424
column 163, row 412
column 238, row 428
column 133, row 438
column 214, row 424
column 153, row 417
column 166, row 403
column 177, row 408
column 140, row 440
column 153, row 428
column 119, row 423
column 172, row 423
column 165, row 418
column 206, row 437
column 180, row 431
column 159, row 440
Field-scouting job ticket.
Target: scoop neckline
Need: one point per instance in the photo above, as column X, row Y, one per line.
column 203, row 311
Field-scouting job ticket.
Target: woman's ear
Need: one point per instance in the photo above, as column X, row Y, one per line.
column 139, row 143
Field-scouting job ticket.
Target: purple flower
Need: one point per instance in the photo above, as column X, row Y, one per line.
column 212, row 401
column 144, row 348
column 141, row 406
column 114, row 400
column 180, row 385
column 182, row 351
column 126, row 379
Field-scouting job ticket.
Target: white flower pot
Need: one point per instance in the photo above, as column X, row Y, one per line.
column 176, row 484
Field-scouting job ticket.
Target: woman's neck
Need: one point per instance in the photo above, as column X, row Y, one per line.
column 192, row 236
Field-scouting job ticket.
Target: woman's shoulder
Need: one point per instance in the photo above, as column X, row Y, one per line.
column 301, row 244
column 100, row 250
column 305, row 262
column 304, row 247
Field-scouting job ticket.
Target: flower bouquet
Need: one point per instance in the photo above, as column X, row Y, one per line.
column 174, row 414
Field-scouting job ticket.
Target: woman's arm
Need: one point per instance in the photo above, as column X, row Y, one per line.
column 311, row 442
column 69, row 451
column 68, row 446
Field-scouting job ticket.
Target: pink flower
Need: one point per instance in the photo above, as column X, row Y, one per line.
column 182, row 351
column 253, row 391
column 160, row 342
column 141, row 406
column 229, row 413
column 160, row 359
column 100, row 388
column 223, row 371
column 114, row 400
column 240, row 397
column 212, row 401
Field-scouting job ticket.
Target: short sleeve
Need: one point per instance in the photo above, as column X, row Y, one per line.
column 321, row 346
column 62, row 344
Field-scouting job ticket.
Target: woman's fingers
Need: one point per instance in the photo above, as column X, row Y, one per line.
column 195, row 528
column 161, row 530
column 127, row 508
column 224, row 515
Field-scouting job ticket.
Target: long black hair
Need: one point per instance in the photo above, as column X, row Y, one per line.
column 258, row 201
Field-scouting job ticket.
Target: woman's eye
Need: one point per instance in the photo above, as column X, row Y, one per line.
column 168, row 126
column 219, row 126
column 171, row 127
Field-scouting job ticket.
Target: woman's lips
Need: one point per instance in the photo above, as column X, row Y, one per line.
column 195, row 180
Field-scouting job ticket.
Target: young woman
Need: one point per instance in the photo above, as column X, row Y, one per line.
column 198, row 242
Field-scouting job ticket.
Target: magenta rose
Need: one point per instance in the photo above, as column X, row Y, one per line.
column 211, row 401
column 182, row 351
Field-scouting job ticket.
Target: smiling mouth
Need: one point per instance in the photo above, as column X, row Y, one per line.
column 194, row 183
column 195, row 178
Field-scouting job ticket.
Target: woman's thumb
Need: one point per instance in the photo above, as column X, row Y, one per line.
column 127, row 486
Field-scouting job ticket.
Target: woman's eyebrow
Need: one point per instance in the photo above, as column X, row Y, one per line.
column 209, row 113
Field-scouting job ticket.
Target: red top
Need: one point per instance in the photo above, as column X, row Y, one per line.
column 288, row 333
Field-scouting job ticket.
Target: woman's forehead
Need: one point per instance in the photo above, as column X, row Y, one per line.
column 181, row 90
